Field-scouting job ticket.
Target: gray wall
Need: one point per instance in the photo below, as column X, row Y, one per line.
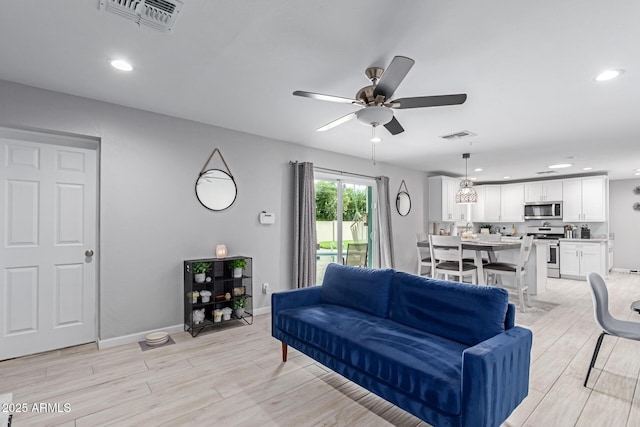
column 150, row 219
column 625, row 223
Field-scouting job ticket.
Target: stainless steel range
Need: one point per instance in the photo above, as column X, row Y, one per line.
column 552, row 234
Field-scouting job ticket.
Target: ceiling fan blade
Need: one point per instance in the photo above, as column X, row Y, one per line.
column 394, row 127
column 322, row 97
column 336, row 122
column 428, row 101
column 393, row 76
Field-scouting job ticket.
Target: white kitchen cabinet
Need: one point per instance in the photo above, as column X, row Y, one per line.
column 578, row 259
column 488, row 207
column 442, row 200
column 499, row 203
column 584, row 199
column 512, row 203
column 477, row 209
column 543, row 191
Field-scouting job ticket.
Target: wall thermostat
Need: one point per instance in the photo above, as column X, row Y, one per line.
column 267, row 217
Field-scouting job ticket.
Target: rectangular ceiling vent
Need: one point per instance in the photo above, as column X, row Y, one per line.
column 546, row 172
column 157, row 14
column 458, row 135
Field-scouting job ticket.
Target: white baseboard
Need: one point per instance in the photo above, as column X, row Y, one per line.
column 139, row 336
column 262, row 310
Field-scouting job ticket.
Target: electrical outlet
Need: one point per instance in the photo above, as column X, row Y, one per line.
column 265, row 288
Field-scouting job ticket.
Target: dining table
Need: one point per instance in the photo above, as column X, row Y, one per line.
column 478, row 246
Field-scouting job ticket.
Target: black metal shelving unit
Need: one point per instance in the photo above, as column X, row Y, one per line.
column 219, row 281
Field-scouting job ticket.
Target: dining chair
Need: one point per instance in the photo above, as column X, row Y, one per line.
column 446, row 258
column 518, row 271
column 357, row 254
column 609, row 324
column 424, row 254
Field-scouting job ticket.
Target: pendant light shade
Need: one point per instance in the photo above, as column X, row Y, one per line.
column 466, row 193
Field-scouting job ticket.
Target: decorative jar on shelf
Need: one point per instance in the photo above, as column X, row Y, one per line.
column 217, row 316
column 226, row 313
column 206, row 295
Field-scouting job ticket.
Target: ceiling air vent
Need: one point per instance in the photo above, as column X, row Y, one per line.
column 157, row 14
column 458, row 135
column 546, row 172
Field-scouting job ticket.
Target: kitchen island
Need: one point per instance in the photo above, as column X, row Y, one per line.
column 508, row 250
column 536, row 277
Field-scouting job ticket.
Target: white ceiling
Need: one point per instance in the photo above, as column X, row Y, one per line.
column 528, row 68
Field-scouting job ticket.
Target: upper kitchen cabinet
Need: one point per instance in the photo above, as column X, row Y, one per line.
column 584, row 199
column 543, row 191
column 512, row 206
column 499, row 203
column 442, row 200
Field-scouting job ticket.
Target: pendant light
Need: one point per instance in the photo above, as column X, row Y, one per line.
column 466, row 193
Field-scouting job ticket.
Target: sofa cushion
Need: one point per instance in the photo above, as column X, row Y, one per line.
column 422, row 365
column 463, row 312
column 363, row 289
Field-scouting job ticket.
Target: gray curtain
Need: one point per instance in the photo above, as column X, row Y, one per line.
column 304, row 226
column 384, row 248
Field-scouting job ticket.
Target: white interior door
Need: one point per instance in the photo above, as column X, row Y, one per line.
column 48, row 282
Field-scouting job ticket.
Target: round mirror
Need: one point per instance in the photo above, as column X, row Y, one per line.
column 403, row 203
column 216, row 189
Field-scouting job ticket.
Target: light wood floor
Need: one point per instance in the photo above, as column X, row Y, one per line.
column 235, row 377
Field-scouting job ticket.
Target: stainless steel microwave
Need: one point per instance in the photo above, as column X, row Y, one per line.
column 543, row 210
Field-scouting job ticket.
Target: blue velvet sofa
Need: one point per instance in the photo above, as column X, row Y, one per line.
column 447, row 352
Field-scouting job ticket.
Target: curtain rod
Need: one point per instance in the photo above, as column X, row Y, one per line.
column 321, row 169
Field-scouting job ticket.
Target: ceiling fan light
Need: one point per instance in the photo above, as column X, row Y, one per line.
column 374, row 138
column 374, row 114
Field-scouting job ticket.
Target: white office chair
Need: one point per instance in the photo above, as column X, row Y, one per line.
column 517, row 271
column 446, row 258
column 424, row 254
column 609, row 324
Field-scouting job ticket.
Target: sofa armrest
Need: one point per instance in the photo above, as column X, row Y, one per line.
column 495, row 377
column 292, row 299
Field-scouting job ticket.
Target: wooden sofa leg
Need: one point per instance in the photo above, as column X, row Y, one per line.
column 284, row 352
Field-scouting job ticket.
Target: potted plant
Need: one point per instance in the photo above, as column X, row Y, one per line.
column 238, row 306
column 199, row 271
column 485, row 228
column 237, row 265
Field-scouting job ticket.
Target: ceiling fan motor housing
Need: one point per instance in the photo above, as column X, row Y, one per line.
column 374, row 114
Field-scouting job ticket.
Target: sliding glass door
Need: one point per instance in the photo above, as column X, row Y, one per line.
column 344, row 215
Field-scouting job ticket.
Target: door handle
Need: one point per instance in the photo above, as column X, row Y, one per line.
column 88, row 253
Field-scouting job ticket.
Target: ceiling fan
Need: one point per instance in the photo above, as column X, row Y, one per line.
column 375, row 100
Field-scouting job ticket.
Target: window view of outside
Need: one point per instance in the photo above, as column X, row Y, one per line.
column 353, row 221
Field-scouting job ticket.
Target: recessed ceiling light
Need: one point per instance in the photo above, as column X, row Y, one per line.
column 506, row 177
column 560, row 166
column 608, row 75
column 477, row 170
column 637, row 173
column 586, row 169
column 121, row 64
column 473, row 178
column 638, row 170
